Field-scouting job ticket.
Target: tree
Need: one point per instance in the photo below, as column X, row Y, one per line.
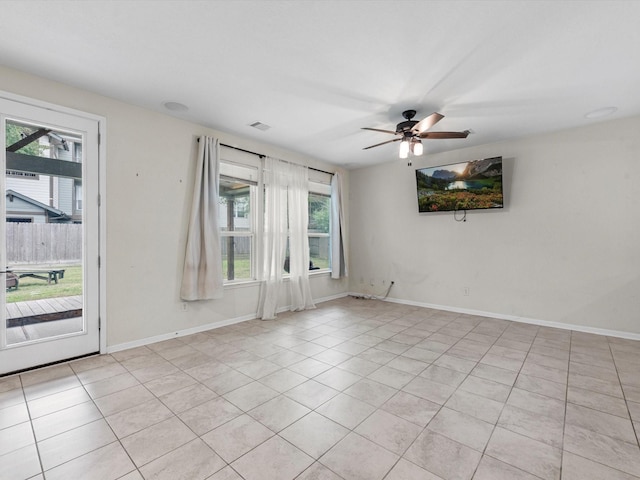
column 319, row 213
column 15, row 133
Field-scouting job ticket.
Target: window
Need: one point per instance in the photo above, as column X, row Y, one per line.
column 318, row 229
column 236, row 214
column 241, row 212
column 236, row 229
column 319, row 221
column 77, row 194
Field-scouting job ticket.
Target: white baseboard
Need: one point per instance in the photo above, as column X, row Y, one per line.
column 202, row 328
column 515, row 318
column 179, row 333
column 331, row 297
column 480, row 313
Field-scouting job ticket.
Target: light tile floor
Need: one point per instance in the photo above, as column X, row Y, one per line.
column 354, row 390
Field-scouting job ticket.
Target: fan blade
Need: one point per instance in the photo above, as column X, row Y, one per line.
column 383, row 131
column 436, row 135
column 383, row 143
column 426, row 123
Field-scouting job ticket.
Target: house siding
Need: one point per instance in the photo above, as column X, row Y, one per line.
column 65, row 195
column 17, row 207
column 38, row 189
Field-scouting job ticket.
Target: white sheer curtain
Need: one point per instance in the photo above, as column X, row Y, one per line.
column 275, row 236
column 202, row 272
column 338, row 232
column 299, row 239
column 286, row 215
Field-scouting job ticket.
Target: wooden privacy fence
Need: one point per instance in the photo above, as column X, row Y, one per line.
column 242, row 245
column 318, row 246
column 43, row 243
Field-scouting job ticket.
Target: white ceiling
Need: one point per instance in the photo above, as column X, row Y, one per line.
column 318, row 71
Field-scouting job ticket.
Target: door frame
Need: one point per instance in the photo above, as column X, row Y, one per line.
column 101, row 197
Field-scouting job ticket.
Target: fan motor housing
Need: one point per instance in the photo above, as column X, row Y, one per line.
column 405, row 126
column 406, row 130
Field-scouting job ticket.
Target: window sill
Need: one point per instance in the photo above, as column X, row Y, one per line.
column 320, row 272
column 241, row 284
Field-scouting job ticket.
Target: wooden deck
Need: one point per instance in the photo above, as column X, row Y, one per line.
column 44, row 310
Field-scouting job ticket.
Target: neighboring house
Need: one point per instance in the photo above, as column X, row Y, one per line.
column 21, row 208
column 45, row 198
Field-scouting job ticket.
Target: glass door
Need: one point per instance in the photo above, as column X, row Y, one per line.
column 48, row 236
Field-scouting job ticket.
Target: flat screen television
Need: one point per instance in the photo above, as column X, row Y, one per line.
column 472, row 185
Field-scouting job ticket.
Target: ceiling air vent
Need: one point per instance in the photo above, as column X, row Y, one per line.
column 260, row 126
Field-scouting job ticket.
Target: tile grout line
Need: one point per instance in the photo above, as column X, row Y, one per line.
column 242, row 335
column 566, row 403
column 504, row 406
column 624, row 395
column 35, row 440
column 106, row 422
column 599, row 411
column 633, row 425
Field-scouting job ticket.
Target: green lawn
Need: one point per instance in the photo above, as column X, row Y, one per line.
column 320, row 262
column 242, row 265
column 35, row 289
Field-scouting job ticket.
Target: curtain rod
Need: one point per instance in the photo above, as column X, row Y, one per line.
column 241, row 150
column 262, row 155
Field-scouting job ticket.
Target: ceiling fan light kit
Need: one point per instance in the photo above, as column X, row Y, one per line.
column 411, row 132
column 404, row 148
column 416, row 147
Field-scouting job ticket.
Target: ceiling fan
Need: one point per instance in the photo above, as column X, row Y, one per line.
column 411, row 132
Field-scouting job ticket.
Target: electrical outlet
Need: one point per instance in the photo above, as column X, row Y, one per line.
column 384, row 282
column 184, row 307
column 465, row 291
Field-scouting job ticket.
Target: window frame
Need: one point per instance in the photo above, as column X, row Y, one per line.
column 249, row 175
column 244, row 167
column 324, row 190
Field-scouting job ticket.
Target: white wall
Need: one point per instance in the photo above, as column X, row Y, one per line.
column 150, row 170
column 565, row 249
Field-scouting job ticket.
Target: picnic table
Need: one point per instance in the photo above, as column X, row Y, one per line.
column 50, row 275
